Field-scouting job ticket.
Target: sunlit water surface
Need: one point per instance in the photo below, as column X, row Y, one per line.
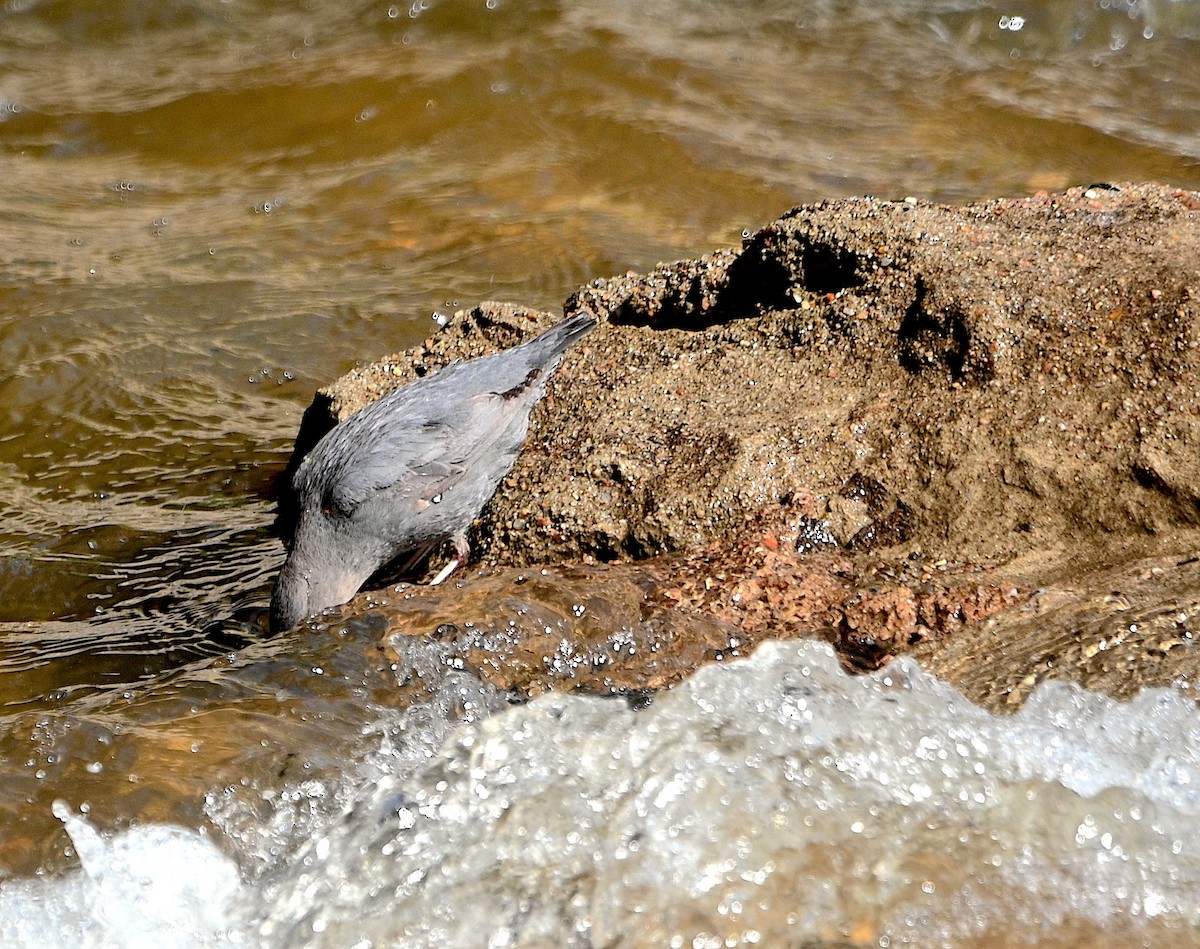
column 211, row 209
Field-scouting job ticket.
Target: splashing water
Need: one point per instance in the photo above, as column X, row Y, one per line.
column 762, row 802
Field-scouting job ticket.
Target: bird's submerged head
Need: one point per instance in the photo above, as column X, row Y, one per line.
column 314, row 576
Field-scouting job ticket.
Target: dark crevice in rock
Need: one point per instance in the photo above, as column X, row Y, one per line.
column 930, row 340
column 828, row 268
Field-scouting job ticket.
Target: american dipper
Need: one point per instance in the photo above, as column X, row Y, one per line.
column 410, row 471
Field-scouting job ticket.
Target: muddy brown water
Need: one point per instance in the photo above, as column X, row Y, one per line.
column 209, row 212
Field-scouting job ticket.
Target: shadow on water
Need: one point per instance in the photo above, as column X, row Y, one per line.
column 168, row 606
column 150, row 574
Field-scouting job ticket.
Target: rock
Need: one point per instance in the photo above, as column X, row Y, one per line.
column 1006, row 388
column 1005, row 373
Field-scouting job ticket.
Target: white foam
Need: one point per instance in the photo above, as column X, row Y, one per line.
column 147, row 888
column 772, row 801
column 764, row 802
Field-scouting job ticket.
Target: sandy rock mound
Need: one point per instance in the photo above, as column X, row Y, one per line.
column 977, row 381
column 969, row 432
column 974, row 382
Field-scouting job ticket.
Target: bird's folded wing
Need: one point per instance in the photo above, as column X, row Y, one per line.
column 425, row 455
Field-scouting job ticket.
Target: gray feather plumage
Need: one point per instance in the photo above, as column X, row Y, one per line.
column 411, row 470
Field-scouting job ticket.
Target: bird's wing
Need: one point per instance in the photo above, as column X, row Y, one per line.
column 425, row 452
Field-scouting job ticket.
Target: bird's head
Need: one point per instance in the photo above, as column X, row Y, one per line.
column 324, row 568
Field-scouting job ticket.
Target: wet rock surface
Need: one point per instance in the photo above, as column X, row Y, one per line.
column 892, row 424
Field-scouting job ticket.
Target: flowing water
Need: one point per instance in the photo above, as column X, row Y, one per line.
column 212, row 208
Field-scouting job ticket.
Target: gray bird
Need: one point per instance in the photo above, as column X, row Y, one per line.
column 410, row 471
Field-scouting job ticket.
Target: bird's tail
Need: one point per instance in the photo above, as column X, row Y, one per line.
column 542, row 354
column 562, row 336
